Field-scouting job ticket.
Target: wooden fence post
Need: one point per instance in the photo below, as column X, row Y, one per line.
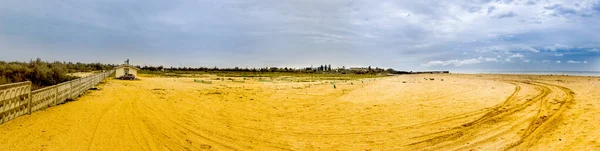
column 29, row 99
column 70, row 94
column 55, row 96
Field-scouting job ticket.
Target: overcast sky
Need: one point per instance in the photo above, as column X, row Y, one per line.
column 464, row 35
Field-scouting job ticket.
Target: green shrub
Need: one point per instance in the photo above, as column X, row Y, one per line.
column 42, row 73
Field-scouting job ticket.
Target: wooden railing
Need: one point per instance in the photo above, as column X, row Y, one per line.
column 17, row 99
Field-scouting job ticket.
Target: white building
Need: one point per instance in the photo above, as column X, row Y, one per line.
column 126, row 69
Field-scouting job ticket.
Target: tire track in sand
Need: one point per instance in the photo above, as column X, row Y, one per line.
column 515, row 124
column 98, row 122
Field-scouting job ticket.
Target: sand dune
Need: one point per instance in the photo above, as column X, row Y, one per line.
column 408, row 112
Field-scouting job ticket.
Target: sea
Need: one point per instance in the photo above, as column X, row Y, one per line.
column 571, row 73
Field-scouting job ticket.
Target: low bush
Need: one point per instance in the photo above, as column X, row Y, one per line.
column 42, row 73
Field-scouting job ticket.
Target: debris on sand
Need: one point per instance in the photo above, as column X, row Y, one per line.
column 203, row 81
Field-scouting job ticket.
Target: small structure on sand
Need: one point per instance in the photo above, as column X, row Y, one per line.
column 126, row 71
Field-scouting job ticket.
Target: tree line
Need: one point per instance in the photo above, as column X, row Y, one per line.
column 42, row 73
column 317, row 69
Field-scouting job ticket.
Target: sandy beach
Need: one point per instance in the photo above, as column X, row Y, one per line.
column 406, row 112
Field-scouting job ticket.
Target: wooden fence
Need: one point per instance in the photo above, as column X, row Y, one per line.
column 17, row 99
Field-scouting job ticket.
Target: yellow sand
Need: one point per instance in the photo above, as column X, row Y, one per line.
column 408, row 112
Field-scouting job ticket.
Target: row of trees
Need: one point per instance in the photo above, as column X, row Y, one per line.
column 318, row 69
column 42, row 73
column 323, row 68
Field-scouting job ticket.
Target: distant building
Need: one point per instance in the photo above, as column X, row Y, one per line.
column 126, row 71
column 359, row 69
